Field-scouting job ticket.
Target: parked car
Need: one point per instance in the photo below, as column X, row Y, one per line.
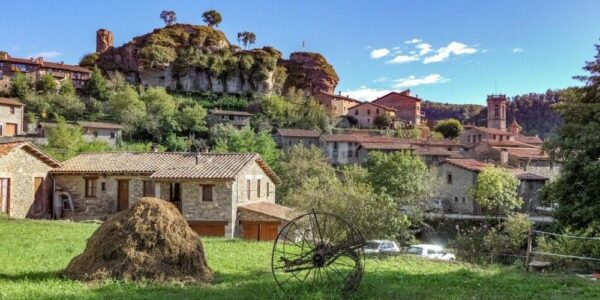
column 430, row 251
column 381, row 246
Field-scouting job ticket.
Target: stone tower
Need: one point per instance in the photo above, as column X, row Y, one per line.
column 104, row 40
column 496, row 117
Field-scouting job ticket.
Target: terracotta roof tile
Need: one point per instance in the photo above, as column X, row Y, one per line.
column 374, row 104
column 531, row 153
column 340, row 97
column 508, row 144
column 467, row 163
column 358, row 138
column 386, row 146
column 270, row 209
column 493, row 130
column 10, row 101
column 292, row 132
column 8, row 147
column 100, row 125
column 46, row 64
column 533, row 140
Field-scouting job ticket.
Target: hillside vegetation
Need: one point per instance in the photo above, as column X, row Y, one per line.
column 34, row 252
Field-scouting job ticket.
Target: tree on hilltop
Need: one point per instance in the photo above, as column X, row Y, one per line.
column 169, row 17
column 212, row 18
column 450, row 128
column 246, row 38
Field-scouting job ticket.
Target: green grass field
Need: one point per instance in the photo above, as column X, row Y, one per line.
column 33, row 252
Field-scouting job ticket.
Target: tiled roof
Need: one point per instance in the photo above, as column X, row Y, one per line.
column 46, row 64
column 6, row 148
column 162, row 165
column 270, row 209
column 292, row 132
column 386, row 146
column 468, row 164
column 439, row 143
column 100, row 125
column 493, row 130
column 531, row 176
column 340, row 97
column 229, row 112
column 405, row 93
column 434, row 151
column 358, row 138
column 509, row 144
column 531, row 153
column 10, row 101
column 532, row 140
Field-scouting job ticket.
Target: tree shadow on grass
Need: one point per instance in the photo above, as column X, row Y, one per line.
column 30, row 276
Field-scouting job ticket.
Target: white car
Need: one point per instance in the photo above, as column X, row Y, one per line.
column 430, row 251
column 381, row 246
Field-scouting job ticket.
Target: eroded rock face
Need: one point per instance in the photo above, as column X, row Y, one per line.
column 104, row 40
column 163, row 58
column 311, row 72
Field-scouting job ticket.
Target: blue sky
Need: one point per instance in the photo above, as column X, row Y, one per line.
column 449, row 51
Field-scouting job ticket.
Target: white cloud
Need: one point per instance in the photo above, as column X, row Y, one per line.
column 364, row 93
column 396, row 48
column 379, row 53
column 424, row 48
column 516, row 50
column 400, row 59
column 46, row 54
column 413, row 41
column 381, row 79
column 368, row 47
column 412, row 80
column 443, row 53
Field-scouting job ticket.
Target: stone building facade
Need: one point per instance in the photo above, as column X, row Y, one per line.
column 110, row 133
column 335, row 105
column 11, row 117
column 288, row 137
column 25, row 186
column 407, row 107
column 237, row 119
column 207, row 188
column 366, row 113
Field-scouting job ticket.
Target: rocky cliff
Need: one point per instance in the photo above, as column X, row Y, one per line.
column 200, row 58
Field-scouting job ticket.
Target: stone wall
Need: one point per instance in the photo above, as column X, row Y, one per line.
column 103, row 135
column 455, row 194
column 345, row 153
column 286, row 142
column 22, row 168
column 7, row 117
column 194, row 209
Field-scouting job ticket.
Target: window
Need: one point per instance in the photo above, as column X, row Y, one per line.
column 112, row 135
column 356, row 112
column 148, row 189
column 377, row 111
column 350, row 152
column 207, row 193
column 222, row 117
column 455, row 199
column 175, row 192
column 493, row 136
column 449, row 178
column 335, row 145
column 90, row 187
column 464, row 200
column 231, row 118
column 501, row 136
column 12, row 110
column 368, row 111
column 430, row 251
column 103, row 186
column 258, row 188
column 268, row 189
column 95, row 133
column 248, row 189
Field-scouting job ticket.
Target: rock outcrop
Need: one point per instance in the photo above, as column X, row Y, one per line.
column 104, row 40
column 200, row 58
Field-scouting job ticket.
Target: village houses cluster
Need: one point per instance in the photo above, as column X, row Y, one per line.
column 234, row 195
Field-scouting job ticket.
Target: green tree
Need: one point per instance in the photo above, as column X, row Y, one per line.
column 161, row 109
column 68, row 106
column 192, row 119
column 96, row 87
column 169, row 17
column 64, row 140
column 127, row 108
column 212, row 18
column 20, row 86
column 411, row 133
column 67, row 87
column 384, row 121
column 246, row 38
column 576, row 146
column 450, row 128
column 228, row 139
column 404, row 177
column 46, row 84
column 496, row 190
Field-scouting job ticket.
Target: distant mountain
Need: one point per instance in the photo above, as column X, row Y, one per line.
column 532, row 111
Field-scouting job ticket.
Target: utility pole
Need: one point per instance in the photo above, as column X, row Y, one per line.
column 529, row 245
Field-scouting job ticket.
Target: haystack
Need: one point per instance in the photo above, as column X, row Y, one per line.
column 149, row 241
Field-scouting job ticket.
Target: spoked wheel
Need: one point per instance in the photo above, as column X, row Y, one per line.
column 318, row 251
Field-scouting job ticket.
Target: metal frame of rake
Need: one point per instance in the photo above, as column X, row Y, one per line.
column 318, row 250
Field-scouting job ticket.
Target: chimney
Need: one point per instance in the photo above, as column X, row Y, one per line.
column 503, row 157
column 40, row 60
column 198, row 158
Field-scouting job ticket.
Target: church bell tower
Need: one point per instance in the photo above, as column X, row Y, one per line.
column 496, row 117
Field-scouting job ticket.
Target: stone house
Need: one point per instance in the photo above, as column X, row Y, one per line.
column 34, row 68
column 237, row 119
column 366, row 113
column 109, row 133
column 407, row 107
column 11, row 117
column 212, row 191
column 459, row 175
column 288, row 137
column 25, row 186
column 477, row 135
column 343, row 148
column 336, row 105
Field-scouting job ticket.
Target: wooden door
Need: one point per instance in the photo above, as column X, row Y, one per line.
column 39, row 195
column 208, row 228
column 260, row 231
column 123, row 195
column 250, row 231
column 10, row 129
column 268, row 231
column 4, row 195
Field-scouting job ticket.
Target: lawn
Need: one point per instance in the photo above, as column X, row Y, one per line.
column 33, row 252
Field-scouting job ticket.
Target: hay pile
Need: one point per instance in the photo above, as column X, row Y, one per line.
column 150, row 241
